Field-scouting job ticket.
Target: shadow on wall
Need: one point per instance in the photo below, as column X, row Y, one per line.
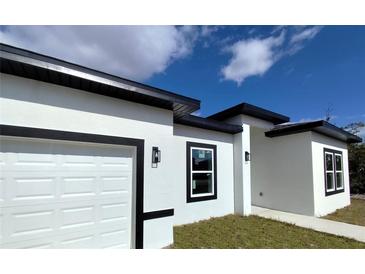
column 55, row 147
column 17, row 88
column 197, row 133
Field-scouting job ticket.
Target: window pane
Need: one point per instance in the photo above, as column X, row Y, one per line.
column 339, row 180
column 329, row 161
column 202, row 183
column 330, row 181
column 338, row 162
column 202, row 159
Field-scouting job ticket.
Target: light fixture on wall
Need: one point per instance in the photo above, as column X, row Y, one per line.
column 247, row 156
column 156, row 156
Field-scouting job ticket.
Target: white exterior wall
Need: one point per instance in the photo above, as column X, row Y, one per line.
column 242, row 168
column 325, row 205
column 30, row 103
column 281, row 168
column 224, row 204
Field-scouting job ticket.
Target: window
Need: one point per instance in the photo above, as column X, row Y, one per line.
column 333, row 168
column 201, row 172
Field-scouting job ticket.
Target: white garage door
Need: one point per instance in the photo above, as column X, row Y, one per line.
column 57, row 194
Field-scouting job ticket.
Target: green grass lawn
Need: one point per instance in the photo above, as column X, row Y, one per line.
column 233, row 231
column 352, row 214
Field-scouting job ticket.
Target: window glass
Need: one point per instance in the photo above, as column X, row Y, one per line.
column 201, row 159
column 339, row 180
column 329, row 161
column 330, row 181
column 338, row 162
column 202, row 183
column 333, row 171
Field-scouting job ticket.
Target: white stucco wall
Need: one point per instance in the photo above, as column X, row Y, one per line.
column 281, row 169
column 242, row 168
column 36, row 104
column 224, row 204
column 325, row 205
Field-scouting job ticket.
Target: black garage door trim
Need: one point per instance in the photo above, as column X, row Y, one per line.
column 28, row 132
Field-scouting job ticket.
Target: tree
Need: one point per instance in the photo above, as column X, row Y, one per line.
column 356, row 154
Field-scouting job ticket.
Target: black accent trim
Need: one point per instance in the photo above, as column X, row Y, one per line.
column 333, row 152
column 206, row 123
column 32, row 65
column 158, row 214
column 190, row 199
column 28, row 132
column 250, row 110
column 321, row 127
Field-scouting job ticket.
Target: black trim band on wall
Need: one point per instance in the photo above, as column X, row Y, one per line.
column 158, row 214
column 189, row 198
column 27, row 132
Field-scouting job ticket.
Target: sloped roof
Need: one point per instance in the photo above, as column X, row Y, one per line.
column 250, row 110
column 319, row 126
column 32, row 65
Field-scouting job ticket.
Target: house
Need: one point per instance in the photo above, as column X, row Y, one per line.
column 91, row 160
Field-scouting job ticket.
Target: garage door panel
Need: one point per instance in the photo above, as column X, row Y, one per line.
column 82, row 241
column 40, row 243
column 1, row 226
column 78, row 186
column 31, row 188
column 23, row 223
column 113, row 239
column 38, row 187
column 77, row 217
column 1, row 190
column 65, row 201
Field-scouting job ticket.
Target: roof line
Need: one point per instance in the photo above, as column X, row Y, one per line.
column 206, row 123
column 28, row 64
column 25, row 52
column 320, row 126
column 250, row 110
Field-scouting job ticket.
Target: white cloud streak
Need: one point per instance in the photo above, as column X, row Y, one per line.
column 255, row 56
column 306, row 34
column 136, row 52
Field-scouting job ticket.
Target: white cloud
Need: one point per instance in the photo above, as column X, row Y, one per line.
column 136, row 52
column 306, row 34
column 299, row 38
column 255, row 56
column 252, row 57
column 208, row 30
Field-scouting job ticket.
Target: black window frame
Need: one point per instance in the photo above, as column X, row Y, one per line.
column 335, row 190
column 189, row 197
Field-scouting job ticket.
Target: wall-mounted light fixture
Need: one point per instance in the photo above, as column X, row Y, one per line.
column 156, row 156
column 247, row 156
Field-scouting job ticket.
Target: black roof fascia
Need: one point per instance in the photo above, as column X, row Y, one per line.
column 250, row 110
column 205, row 123
column 321, row 127
column 28, row 64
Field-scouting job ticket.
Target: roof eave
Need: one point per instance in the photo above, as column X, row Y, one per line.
column 39, row 66
column 205, row 123
column 321, row 127
column 250, row 110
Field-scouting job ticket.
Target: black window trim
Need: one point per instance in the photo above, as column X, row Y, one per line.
column 189, row 198
column 335, row 191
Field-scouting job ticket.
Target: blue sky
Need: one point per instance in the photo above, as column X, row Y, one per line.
column 296, row 71
column 329, row 71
